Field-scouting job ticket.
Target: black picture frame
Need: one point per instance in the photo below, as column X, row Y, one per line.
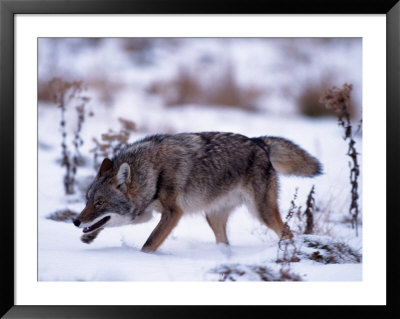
column 8, row 10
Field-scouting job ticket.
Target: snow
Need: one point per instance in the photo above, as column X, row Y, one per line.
column 190, row 252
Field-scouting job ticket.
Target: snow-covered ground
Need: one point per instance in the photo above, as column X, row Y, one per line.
column 190, row 252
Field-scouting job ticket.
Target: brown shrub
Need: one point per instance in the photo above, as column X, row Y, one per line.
column 111, row 143
column 45, row 92
column 310, row 104
column 137, row 44
column 239, row 272
column 106, row 88
column 127, row 125
column 328, row 251
column 64, row 215
column 187, row 88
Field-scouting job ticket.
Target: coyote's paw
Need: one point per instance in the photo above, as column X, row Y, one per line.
column 225, row 249
column 88, row 238
column 286, row 234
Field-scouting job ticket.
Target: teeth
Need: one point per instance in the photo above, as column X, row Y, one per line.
column 96, row 225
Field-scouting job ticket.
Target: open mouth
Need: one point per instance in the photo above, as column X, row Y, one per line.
column 100, row 223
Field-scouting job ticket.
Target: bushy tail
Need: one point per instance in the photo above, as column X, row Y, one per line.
column 290, row 159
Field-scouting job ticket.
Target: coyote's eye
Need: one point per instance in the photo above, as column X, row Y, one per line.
column 99, row 202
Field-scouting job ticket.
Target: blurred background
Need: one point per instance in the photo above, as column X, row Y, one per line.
column 279, row 76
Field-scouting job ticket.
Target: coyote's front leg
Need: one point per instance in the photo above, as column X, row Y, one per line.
column 169, row 219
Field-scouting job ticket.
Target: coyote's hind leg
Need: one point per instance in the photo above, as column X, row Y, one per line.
column 266, row 207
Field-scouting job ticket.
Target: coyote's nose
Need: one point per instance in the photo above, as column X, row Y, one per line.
column 77, row 222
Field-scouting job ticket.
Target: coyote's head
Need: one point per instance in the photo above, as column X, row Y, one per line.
column 108, row 200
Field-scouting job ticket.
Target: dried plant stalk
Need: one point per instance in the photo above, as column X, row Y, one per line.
column 63, row 92
column 287, row 246
column 309, row 212
column 338, row 99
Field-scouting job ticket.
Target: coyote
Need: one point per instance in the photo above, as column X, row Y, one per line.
column 210, row 172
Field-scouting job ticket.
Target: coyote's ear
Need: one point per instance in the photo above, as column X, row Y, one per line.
column 124, row 174
column 105, row 166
